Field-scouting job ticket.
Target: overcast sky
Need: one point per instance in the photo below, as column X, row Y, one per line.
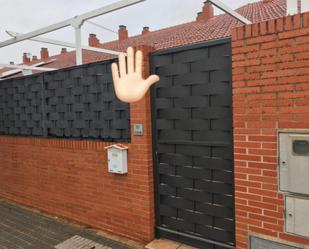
column 25, row 16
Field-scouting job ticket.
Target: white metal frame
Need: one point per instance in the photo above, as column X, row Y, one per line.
column 64, row 44
column 230, row 11
column 23, row 67
column 102, row 27
column 25, row 70
column 76, row 22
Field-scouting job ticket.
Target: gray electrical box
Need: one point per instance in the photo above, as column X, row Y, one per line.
column 297, row 215
column 294, row 162
column 258, row 243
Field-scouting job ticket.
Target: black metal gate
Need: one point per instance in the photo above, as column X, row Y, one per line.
column 193, row 143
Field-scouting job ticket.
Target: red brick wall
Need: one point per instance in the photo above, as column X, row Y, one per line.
column 270, row 92
column 69, row 178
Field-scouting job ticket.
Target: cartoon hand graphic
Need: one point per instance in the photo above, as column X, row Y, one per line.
column 130, row 85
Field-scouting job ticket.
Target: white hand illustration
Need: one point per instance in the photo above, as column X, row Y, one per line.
column 130, row 85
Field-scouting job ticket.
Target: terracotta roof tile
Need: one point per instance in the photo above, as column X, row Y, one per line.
column 189, row 33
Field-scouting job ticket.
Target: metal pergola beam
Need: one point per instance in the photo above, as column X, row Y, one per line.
column 102, row 27
column 23, row 67
column 92, row 14
column 16, row 71
column 229, row 11
column 64, row 44
column 76, row 22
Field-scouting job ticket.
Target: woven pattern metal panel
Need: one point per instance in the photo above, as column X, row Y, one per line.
column 193, row 142
column 81, row 103
column 21, row 106
column 78, row 102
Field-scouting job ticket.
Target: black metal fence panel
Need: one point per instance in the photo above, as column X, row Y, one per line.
column 77, row 102
column 21, row 106
column 193, row 143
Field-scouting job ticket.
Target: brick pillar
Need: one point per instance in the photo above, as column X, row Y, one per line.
column 270, row 92
column 141, row 114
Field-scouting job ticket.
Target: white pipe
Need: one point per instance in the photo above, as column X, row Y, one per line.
column 65, row 44
column 102, row 27
column 16, row 71
column 78, row 42
column 98, row 12
column 23, row 67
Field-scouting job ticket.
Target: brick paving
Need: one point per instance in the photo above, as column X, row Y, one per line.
column 21, row 228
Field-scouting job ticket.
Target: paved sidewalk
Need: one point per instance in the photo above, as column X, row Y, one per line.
column 21, row 228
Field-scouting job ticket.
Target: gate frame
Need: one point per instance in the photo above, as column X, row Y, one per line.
column 154, row 141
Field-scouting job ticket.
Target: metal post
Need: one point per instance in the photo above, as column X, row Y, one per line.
column 77, row 25
column 78, row 41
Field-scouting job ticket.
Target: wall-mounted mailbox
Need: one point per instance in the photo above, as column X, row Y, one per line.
column 117, row 157
column 294, row 162
column 297, row 215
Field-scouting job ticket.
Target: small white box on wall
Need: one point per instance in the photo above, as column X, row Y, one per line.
column 294, row 162
column 117, row 158
column 297, row 215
